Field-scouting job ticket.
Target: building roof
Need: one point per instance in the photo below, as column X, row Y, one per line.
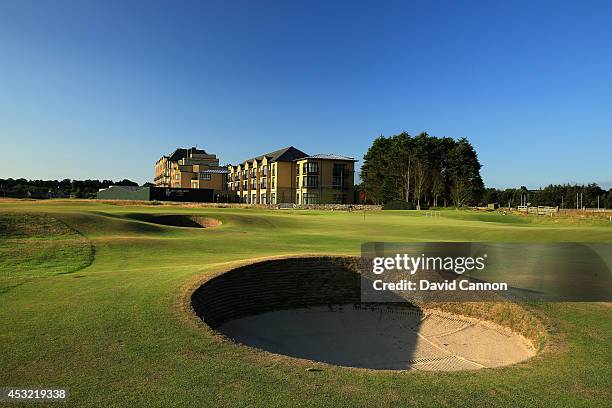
column 328, row 157
column 181, row 153
column 285, row 154
column 215, row 171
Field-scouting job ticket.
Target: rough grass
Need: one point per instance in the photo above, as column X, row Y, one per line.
column 35, row 245
column 114, row 335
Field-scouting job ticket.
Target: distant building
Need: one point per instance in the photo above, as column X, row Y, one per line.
column 190, row 168
column 325, row 178
column 286, row 175
column 289, row 175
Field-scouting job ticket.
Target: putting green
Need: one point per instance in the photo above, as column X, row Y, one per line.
column 117, row 332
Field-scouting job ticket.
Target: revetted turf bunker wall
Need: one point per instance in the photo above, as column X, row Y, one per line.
column 277, row 284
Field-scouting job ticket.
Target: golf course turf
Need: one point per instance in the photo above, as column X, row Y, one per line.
column 95, row 301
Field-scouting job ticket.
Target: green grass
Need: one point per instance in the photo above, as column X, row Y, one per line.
column 115, row 333
column 36, row 245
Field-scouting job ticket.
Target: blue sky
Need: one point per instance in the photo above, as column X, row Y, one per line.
column 102, row 89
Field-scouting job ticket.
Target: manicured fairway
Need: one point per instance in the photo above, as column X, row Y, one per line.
column 93, row 302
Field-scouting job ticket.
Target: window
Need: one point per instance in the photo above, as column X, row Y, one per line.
column 264, row 199
column 297, row 169
column 339, row 169
column 205, row 176
column 310, row 181
column 340, row 175
column 273, row 198
column 297, row 198
column 273, row 169
column 310, row 198
column 311, row 167
column 254, row 199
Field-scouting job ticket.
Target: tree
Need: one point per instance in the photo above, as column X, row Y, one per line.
column 491, row 196
column 437, row 184
column 374, row 169
column 126, row 182
column 464, row 173
column 420, row 168
column 460, row 191
column 401, row 163
column 422, row 163
column 53, row 188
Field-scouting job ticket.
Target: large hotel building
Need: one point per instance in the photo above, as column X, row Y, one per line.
column 283, row 176
column 190, row 168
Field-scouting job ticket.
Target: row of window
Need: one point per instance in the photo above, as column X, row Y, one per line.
column 308, row 167
column 253, row 173
column 313, row 198
column 339, row 169
column 305, row 198
column 309, row 181
column 245, row 185
column 313, row 181
column 262, row 199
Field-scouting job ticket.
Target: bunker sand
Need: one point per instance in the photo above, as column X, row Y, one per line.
column 381, row 337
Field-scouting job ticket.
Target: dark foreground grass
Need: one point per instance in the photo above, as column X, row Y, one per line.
column 116, row 333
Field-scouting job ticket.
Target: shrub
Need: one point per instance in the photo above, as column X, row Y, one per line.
column 398, row 205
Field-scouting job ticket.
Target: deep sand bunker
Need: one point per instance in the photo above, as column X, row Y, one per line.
column 186, row 221
column 310, row 308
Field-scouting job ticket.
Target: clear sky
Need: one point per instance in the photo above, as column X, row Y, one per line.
column 103, row 89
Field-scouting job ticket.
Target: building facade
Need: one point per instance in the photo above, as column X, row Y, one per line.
column 324, row 179
column 291, row 176
column 190, row 168
column 286, row 175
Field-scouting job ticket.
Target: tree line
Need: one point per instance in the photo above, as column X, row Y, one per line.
column 564, row 196
column 20, row 188
column 422, row 170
